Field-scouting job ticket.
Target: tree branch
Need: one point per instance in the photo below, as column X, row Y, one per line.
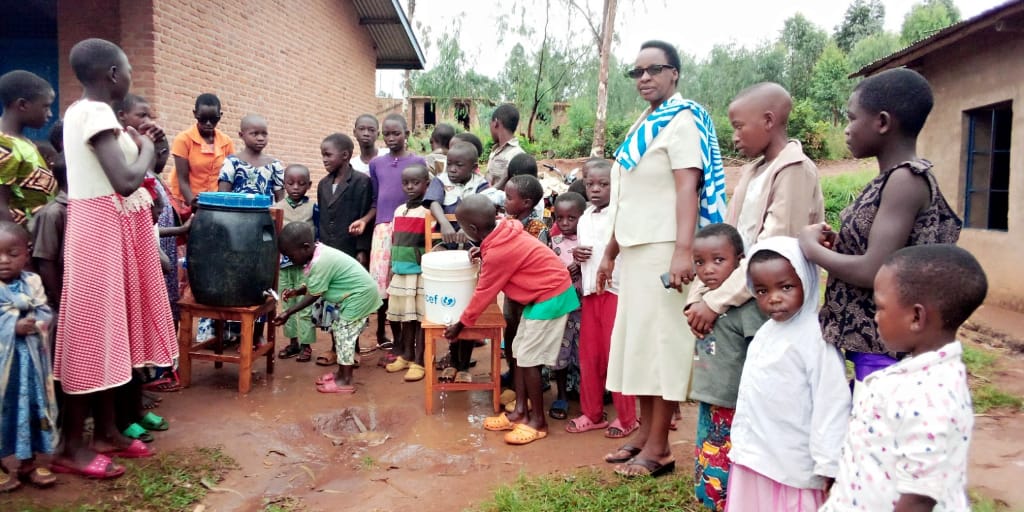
column 586, row 16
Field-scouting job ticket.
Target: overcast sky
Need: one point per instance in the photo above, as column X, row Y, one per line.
column 694, row 26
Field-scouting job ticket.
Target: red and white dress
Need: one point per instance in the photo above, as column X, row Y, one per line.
column 114, row 314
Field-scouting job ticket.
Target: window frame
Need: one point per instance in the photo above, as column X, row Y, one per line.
column 973, row 116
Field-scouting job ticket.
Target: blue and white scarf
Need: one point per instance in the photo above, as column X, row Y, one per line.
column 712, row 194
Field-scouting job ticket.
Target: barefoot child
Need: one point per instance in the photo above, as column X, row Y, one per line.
column 440, row 140
column 28, row 409
column 113, row 267
column 339, row 280
column 568, row 209
column 598, row 314
column 408, row 243
column 911, row 426
column 793, row 404
column 26, row 184
column 297, row 208
column 527, row 272
column 365, row 131
column 718, row 362
column 388, row 195
column 250, row 171
column 886, row 112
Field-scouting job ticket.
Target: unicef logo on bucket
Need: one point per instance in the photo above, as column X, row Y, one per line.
column 449, row 279
column 442, row 300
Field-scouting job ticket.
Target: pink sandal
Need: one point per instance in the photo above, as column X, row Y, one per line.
column 329, row 376
column 582, row 424
column 621, row 430
column 136, row 450
column 96, row 469
column 332, row 387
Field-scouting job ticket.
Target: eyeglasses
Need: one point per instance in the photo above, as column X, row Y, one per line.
column 208, row 120
column 652, row 70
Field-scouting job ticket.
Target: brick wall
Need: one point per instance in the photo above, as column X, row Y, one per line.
column 308, row 67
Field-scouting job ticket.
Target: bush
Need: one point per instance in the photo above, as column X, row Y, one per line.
column 806, row 125
column 840, row 191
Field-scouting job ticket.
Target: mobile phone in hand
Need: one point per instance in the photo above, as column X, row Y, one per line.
column 666, row 280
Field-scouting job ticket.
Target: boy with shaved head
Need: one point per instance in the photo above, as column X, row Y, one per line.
column 250, row 171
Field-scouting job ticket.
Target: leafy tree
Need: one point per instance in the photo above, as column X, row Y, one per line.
column 603, row 33
column 453, row 76
column 872, row 48
column 926, row 18
column 803, row 42
column 830, row 87
column 862, row 19
column 729, row 69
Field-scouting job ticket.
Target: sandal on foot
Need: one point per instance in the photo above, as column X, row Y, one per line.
column 153, row 422
column 399, row 364
column 136, row 450
column 616, row 458
column 332, row 387
column 386, row 359
column 164, row 385
column 329, row 376
column 463, row 378
column 559, row 410
column 447, row 375
column 416, row 373
column 443, row 363
column 8, row 483
column 100, row 468
column 39, row 477
column 524, row 434
column 654, row 468
column 583, row 424
column 306, row 355
column 327, row 359
column 617, row 431
column 292, row 350
column 135, row 431
column 499, row 423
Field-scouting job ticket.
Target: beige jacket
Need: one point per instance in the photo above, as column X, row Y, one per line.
column 793, row 201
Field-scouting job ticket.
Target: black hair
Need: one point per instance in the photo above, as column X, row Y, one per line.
column 443, row 134
column 731, row 235
column 596, row 161
column 472, row 139
column 15, row 229
column 56, row 136
column 60, row 170
column 207, row 99
column 20, row 84
column 398, row 118
column 91, row 59
column 943, row 276
column 340, row 141
column 301, row 167
column 763, row 256
column 466, row 147
column 371, row 117
column 295, row 234
column 671, row 54
column 528, row 187
column 579, row 187
column 420, row 168
column 507, row 115
column 522, row 164
column 901, row 92
column 573, row 198
column 129, row 102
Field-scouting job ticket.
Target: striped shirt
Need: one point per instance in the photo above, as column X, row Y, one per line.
column 409, row 239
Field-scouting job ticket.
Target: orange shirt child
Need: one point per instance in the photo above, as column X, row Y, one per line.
column 204, row 161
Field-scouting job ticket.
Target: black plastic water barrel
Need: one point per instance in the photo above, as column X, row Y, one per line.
column 232, row 249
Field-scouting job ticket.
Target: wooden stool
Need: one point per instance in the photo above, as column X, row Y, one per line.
column 488, row 326
column 213, row 350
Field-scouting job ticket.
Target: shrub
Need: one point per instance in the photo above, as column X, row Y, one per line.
column 805, row 125
column 840, row 190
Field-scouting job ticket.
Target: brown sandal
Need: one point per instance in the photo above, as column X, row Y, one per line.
column 305, row 355
column 39, row 477
column 7, row 483
column 448, row 374
column 327, row 359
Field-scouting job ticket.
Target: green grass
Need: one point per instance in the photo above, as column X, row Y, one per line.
column 981, row 503
column 981, row 363
column 169, row 482
column 593, row 490
column 840, row 190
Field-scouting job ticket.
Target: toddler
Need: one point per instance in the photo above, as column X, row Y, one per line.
column 793, row 404
column 522, row 195
column 407, row 304
column 911, row 425
column 568, row 209
column 297, row 208
column 250, row 171
column 529, row 273
column 718, row 362
column 28, row 410
column 339, row 280
column 598, row 315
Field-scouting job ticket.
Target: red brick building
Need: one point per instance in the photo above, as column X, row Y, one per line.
column 309, row 67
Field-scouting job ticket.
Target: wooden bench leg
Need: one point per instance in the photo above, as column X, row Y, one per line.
column 218, row 344
column 271, row 339
column 245, row 351
column 184, row 346
column 428, row 365
column 496, row 368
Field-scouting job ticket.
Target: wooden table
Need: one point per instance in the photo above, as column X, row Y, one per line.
column 213, row 350
column 488, row 326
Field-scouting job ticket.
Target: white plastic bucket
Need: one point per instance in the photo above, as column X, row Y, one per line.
column 449, row 279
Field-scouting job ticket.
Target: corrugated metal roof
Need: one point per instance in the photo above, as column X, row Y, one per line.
column 392, row 34
column 943, row 38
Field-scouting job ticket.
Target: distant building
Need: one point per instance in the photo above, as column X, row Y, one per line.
column 975, row 135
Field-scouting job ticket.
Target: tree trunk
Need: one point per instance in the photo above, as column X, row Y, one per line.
column 601, row 112
column 540, row 73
